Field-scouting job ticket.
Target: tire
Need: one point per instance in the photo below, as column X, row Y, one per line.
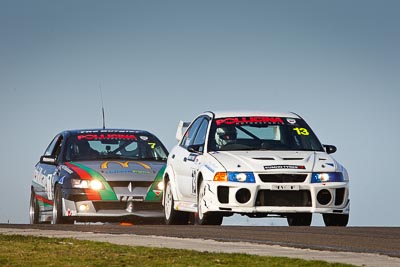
column 171, row 215
column 336, row 219
column 208, row 218
column 299, row 219
column 58, row 217
column 33, row 210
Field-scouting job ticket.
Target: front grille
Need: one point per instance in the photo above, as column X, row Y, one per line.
column 301, row 198
column 121, row 205
column 283, row 178
column 126, row 183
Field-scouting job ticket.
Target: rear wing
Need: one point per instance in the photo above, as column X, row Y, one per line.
column 182, row 126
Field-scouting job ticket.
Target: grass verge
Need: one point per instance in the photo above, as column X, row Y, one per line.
column 18, row 250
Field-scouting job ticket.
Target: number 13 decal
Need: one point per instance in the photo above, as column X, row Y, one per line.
column 301, row 131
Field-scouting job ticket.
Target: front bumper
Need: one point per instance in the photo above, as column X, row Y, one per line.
column 84, row 204
column 277, row 198
column 111, row 209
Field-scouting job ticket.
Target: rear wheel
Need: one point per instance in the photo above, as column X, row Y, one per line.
column 173, row 216
column 299, row 219
column 336, row 219
column 33, row 210
column 208, row 218
column 58, row 217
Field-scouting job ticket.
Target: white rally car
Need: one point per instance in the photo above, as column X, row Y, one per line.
column 257, row 164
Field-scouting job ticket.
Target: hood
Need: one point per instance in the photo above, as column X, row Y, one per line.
column 125, row 170
column 276, row 161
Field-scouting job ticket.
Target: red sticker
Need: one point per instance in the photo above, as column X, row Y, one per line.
column 243, row 120
column 106, row 136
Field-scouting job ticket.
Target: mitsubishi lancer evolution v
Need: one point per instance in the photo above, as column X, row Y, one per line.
column 99, row 175
column 256, row 164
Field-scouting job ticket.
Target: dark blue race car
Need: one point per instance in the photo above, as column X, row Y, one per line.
column 99, row 175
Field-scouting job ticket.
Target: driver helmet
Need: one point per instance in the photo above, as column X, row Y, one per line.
column 225, row 135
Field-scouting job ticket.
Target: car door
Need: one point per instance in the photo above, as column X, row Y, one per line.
column 196, row 156
column 46, row 169
column 184, row 162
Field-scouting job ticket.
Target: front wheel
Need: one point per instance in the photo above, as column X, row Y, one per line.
column 208, row 218
column 299, row 219
column 58, row 217
column 173, row 216
column 33, row 210
column 335, row 219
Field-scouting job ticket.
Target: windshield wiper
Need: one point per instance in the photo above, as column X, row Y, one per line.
column 156, row 159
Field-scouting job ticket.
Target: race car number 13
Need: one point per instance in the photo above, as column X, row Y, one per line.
column 301, row 131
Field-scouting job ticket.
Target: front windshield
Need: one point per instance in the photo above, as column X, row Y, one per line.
column 114, row 145
column 262, row 133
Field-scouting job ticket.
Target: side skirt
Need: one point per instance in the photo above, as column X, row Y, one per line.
column 185, row 206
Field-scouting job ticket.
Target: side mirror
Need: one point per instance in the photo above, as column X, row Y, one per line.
column 194, row 148
column 330, row 149
column 48, row 160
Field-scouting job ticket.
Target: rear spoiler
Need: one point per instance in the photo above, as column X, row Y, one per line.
column 182, row 125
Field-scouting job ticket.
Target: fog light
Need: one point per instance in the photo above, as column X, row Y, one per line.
column 324, row 197
column 243, row 195
column 83, row 207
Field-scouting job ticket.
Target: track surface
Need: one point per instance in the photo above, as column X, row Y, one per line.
column 378, row 240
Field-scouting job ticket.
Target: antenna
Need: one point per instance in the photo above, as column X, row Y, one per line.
column 102, row 108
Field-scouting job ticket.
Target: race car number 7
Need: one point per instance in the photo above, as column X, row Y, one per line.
column 301, row 131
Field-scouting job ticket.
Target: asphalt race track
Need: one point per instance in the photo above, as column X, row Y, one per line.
column 375, row 240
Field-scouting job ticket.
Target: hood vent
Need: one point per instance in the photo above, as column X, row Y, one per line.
column 282, row 158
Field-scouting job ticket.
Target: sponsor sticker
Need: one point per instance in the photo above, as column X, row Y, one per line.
column 209, row 168
column 106, row 136
column 192, row 157
column 291, row 121
column 65, row 168
column 246, row 120
column 127, row 171
column 275, row 167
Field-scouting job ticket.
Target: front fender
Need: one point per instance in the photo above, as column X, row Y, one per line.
column 205, row 173
column 169, row 174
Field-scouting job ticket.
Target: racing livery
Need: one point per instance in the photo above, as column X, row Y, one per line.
column 99, row 175
column 257, row 164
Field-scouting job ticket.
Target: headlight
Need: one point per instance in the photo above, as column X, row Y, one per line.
column 160, row 186
column 243, row 177
column 327, row 177
column 87, row 184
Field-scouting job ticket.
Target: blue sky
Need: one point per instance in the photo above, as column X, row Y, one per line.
column 336, row 63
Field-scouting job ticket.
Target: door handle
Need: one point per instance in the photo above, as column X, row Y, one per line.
column 185, row 159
